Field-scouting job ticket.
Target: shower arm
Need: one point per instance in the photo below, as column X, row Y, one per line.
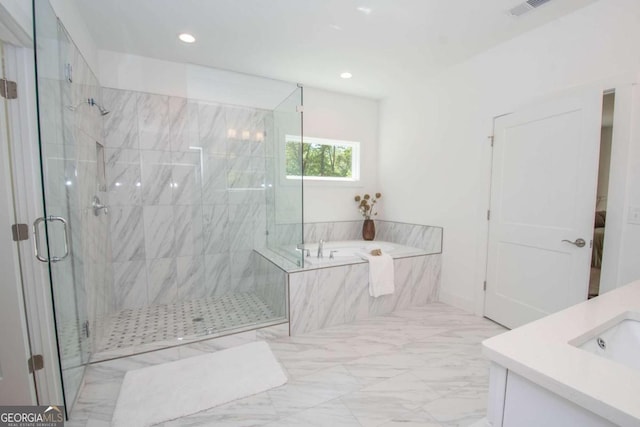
column 92, row 102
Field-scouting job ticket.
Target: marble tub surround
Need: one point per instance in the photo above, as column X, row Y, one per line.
column 325, row 297
column 544, row 352
column 421, row 366
column 426, row 237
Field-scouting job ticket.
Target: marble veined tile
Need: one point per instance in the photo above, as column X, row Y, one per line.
column 127, row 233
column 213, row 129
column 373, row 410
column 457, row 410
column 215, row 220
column 311, row 391
column 404, row 270
column 333, row 413
column 214, row 177
column 153, row 122
column 162, row 281
column 190, row 275
column 186, row 176
column 123, row 176
column 331, row 297
column 188, row 228
column 217, row 279
column 415, row 391
column 303, row 297
column 159, row 232
column 418, row 418
column 157, row 181
column 251, row 411
column 130, row 284
column 183, row 117
column 121, row 124
column 377, row 367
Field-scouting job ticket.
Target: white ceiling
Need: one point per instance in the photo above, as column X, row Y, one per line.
column 313, row 41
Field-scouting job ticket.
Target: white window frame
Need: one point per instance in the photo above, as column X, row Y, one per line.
column 355, row 158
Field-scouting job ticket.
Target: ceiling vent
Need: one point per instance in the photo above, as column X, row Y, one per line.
column 525, row 7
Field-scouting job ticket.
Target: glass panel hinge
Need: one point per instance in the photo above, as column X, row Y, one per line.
column 20, row 232
column 35, row 363
column 8, row 89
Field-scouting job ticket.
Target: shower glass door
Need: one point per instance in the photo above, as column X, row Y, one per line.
column 66, row 184
column 284, row 191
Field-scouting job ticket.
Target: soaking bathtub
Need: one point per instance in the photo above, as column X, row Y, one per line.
column 348, row 252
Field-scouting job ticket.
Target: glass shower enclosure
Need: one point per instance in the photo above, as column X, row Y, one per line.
column 157, row 210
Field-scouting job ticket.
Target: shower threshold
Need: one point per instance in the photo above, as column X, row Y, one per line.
column 145, row 329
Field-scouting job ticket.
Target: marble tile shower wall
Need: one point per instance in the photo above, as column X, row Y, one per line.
column 186, row 186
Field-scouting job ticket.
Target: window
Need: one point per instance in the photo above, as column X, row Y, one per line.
column 323, row 159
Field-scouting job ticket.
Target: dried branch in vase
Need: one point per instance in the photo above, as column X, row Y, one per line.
column 367, row 204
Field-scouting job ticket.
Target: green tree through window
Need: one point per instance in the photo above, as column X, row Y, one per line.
column 333, row 159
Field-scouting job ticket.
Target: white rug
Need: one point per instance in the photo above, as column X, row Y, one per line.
column 172, row 390
column 482, row 423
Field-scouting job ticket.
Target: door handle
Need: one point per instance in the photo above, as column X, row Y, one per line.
column 36, row 237
column 579, row 242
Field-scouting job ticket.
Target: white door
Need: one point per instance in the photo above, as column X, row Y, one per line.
column 16, row 384
column 543, row 195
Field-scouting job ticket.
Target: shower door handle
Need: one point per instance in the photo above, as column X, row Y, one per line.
column 36, row 238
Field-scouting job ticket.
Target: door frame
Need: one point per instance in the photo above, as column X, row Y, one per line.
column 17, row 382
column 22, row 121
column 623, row 85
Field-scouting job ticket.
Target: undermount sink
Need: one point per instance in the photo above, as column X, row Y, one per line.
column 617, row 340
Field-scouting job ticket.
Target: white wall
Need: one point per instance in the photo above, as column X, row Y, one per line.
column 629, row 259
column 68, row 13
column 343, row 117
column 21, row 12
column 434, row 155
column 139, row 73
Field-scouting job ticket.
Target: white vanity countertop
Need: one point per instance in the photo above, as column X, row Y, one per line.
column 541, row 352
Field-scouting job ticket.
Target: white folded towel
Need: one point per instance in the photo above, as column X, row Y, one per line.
column 381, row 275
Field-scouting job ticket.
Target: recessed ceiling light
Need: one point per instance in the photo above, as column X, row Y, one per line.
column 187, row 38
column 365, row 10
column 346, row 75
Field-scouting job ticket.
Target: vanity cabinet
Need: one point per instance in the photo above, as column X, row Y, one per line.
column 515, row 401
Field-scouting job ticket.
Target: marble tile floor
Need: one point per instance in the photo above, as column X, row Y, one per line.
column 417, row 367
column 133, row 328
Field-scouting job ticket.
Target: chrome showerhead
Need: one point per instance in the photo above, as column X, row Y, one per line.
column 103, row 111
column 92, row 102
